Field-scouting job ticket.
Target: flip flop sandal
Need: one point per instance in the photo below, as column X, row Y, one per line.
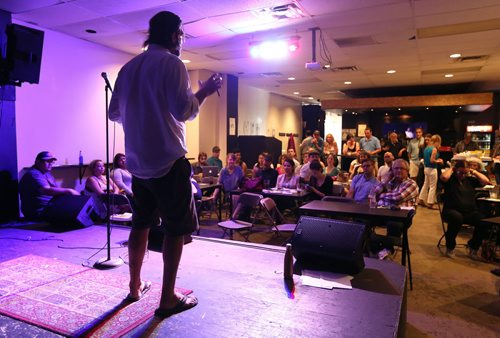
column 145, row 287
column 186, row 303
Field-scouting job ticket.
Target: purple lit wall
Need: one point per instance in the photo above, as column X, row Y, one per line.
column 65, row 112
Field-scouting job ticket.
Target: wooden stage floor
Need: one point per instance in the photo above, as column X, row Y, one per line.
column 239, row 286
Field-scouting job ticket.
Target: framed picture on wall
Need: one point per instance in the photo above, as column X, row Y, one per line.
column 361, row 129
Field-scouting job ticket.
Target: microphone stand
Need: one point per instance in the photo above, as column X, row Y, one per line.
column 107, row 262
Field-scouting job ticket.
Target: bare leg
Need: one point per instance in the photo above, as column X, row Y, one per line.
column 172, row 252
column 137, row 244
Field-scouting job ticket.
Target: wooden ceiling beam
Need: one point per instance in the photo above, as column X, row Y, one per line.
column 411, row 101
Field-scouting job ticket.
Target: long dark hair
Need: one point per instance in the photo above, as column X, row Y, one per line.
column 161, row 27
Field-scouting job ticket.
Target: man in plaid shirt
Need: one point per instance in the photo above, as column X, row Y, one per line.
column 400, row 190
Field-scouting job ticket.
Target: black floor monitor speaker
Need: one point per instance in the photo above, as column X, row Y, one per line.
column 70, row 210
column 329, row 244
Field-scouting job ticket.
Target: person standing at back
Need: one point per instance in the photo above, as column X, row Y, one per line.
column 371, row 145
column 153, row 99
column 431, row 163
column 415, row 152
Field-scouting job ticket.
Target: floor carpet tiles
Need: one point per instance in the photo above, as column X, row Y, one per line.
column 72, row 300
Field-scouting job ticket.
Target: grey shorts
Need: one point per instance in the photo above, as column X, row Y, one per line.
column 169, row 197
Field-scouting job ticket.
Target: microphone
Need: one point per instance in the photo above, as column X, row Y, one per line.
column 105, row 77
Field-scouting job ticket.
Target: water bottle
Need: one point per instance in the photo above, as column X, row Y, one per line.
column 288, row 263
column 80, row 159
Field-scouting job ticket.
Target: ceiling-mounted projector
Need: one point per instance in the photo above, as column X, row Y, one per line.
column 313, row 66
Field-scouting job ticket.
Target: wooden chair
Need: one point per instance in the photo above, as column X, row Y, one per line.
column 243, row 217
column 277, row 219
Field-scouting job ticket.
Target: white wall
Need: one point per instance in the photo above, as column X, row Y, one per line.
column 209, row 128
column 333, row 125
column 65, row 112
column 263, row 113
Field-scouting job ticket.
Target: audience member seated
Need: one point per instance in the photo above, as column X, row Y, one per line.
column 476, row 164
column 466, row 144
column 291, row 153
column 351, row 147
column 96, row 187
column 362, row 184
column 400, row 191
column 320, row 185
column 260, row 161
column 384, row 172
column 279, row 166
column 332, row 163
column 121, row 176
column 214, row 160
column 38, row 186
column 305, row 173
column 202, row 162
column 230, row 177
column 288, row 179
column 239, row 162
column 355, row 167
column 459, row 205
column 268, row 174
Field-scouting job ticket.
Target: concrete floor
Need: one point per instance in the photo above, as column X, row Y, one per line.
column 451, row 297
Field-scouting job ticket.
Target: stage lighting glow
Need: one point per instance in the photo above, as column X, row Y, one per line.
column 275, row 49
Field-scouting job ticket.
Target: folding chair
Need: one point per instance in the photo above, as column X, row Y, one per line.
column 119, row 201
column 243, row 216
column 277, row 219
column 444, row 224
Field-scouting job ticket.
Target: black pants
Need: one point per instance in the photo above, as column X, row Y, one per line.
column 455, row 219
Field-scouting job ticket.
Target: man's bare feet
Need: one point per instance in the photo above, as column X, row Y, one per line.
column 136, row 293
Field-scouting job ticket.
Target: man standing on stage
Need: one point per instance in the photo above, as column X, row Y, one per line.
column 153, row 99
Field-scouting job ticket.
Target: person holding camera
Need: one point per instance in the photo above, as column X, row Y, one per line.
column 459, row 205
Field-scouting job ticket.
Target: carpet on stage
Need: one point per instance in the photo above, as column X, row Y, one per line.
column 72, row 300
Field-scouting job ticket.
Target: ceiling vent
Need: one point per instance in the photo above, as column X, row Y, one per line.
column 271, row 74
column 472, row 58
column 345, row 69
column 288, row 11
column 355, row 41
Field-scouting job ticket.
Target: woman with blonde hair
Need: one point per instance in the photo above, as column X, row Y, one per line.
column 330, row 146
column 431, row 162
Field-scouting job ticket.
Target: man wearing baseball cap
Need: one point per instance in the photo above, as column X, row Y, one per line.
column 38, row 186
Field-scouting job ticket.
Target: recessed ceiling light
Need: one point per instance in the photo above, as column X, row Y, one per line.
column 399, row 108
column 296, row 93
column 391, row 71
column 186, row 61
column 455, row 56
column 448, row 75
column 291, row 78
column 347, row 82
